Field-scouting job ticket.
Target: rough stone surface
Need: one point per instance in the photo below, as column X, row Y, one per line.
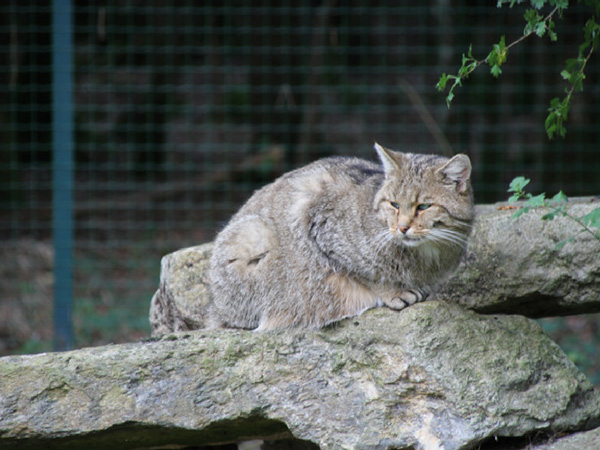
column 434, row 376
column 585, row 440
column 182, row 296
column 511, row 267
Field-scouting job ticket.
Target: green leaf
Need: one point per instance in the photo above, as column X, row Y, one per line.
column 538, row 3
column 512, row 2
column 549, row 216
column 540, row 29
column 517, row 184
column 560, row 198
column 561, row 4
column 520, row 212
column 592, row 219
column 578, row 84
column 551, row 33
column 441, row 85
column 590, row 30
column 572, row 65
column 557, row 114
column 465, row 58
column 537, row 200
column 497, row 57
column 514, row 198
column 496, row 70
column 533, row 18
column 501, row 51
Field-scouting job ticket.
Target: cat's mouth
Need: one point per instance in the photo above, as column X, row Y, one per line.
column 438, row 237
column 413, row 242
column 409, row 238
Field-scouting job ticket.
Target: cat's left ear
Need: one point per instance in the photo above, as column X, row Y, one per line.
column 457, row 171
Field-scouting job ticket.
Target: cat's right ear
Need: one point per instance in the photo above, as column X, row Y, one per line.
column 457, row 171
column 390, row 164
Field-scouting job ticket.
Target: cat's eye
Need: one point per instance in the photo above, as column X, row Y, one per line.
column 423, row 206
column 395, row 205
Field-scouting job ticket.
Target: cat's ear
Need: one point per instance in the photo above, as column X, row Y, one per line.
column 390, row 163
column 457, row 171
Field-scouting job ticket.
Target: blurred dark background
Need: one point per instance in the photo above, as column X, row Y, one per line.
column 183, row 108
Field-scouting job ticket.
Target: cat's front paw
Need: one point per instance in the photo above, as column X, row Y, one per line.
column 405, row 299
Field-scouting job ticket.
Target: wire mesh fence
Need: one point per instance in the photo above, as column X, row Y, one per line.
column 183, row 108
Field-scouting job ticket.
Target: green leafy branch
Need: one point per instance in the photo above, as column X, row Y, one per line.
column 538, row 25
column 469, row 64
column 557, row 206
column 573, row 73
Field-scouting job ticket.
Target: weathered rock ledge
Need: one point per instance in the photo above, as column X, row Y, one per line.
column 434, row 376
column 511, row 267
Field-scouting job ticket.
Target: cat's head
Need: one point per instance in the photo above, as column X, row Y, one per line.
column 425, row 198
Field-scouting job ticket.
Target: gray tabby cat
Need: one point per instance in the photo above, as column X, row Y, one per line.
column 340, row 236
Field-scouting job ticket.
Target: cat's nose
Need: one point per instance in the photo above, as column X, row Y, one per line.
column 403, row 224
column 403, row 228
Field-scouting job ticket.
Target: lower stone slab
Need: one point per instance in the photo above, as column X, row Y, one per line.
column 434, row 376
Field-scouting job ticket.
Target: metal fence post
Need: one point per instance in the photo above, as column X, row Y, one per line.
column 62, row 184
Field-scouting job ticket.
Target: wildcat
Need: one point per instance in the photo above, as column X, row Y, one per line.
column 339, row 236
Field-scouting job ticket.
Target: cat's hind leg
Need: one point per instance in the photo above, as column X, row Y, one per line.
column 244, row 244
column 331, row 299
column 241, row 261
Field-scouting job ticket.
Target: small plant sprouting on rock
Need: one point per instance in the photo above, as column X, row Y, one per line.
column 557, row 206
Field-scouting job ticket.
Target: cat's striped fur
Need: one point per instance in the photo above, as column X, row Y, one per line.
column 340, row 236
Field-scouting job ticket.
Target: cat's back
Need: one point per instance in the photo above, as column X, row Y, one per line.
column 322, row 180
column 340, row 168
column 280, row 219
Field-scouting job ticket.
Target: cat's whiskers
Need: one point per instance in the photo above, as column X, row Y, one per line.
column 382, row 240
column 382, row 244
column 459, row 235
column 464, row 224
column 448, row 237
